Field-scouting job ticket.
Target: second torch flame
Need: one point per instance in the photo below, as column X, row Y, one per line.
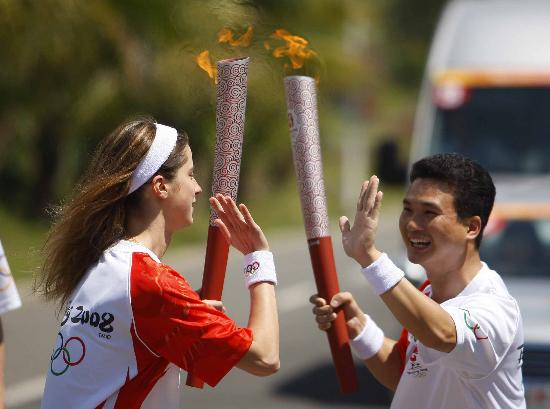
column 295, row 48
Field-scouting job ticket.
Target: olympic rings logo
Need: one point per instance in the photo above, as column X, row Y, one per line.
column 251, row 269
column 63, row 351
column 474, row 326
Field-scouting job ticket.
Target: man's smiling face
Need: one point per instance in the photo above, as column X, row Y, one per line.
column 433, row 235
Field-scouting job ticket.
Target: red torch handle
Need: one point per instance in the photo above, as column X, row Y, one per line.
column 215, row 264
column 324, row 270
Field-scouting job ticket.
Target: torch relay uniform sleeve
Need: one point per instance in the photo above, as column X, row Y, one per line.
column 174, row 323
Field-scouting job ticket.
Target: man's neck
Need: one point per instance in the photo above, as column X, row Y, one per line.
column 447, row 284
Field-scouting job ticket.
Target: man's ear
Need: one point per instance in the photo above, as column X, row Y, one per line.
column 159, row 187
column 474, row 227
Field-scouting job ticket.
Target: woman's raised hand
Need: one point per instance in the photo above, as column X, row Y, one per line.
column 237, row 225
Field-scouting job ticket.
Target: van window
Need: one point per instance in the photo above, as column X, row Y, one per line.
column 506, row 129
column 518, row 248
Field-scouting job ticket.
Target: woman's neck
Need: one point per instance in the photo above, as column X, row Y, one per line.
column 149, row 232
column 157, row 245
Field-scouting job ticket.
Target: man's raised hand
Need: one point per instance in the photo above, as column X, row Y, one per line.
column 358, row 240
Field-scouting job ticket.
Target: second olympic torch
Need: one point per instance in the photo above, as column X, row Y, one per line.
column 230, row 119
column 301, row 98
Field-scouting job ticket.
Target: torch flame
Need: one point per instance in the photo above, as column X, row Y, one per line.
column 295, row 48
column 226, row 36
column 203, row 60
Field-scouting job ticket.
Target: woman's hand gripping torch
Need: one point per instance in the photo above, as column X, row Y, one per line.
column 301, row 97
column 230, row 119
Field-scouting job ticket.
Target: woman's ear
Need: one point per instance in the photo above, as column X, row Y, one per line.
column 473, row 227
column 159, row 187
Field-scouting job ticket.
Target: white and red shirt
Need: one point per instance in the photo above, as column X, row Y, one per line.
column 483, row 371
column 9, row 297
column 129, row 326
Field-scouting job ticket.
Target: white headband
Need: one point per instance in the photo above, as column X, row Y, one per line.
column 162, row 146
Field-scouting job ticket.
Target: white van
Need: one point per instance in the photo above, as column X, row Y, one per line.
column 486, row 94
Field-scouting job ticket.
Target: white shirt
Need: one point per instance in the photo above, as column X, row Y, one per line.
column 130, row 323
column 483, row 371
column 9, row 297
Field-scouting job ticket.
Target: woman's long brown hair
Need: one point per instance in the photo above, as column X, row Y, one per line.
column 95, row 218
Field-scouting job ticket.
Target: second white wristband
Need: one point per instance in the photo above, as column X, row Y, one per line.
column 259, row 267
column 369, row 341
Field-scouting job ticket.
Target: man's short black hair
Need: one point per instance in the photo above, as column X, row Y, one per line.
column 472, row 186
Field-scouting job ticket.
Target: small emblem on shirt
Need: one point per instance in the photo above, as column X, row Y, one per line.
column 479, row 333
column 251, row 269
column 428, row 291
column 414, row 367
column 80, row 315
column 68, row 353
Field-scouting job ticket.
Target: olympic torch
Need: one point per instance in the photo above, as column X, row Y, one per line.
column 301, row 99
column 231, row 93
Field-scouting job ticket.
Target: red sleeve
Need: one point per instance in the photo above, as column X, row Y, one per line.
column 173, row 322
column 402, row 345
column 424, row 285
column 403, row 341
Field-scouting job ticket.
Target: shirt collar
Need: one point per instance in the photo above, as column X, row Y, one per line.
column 132, row 246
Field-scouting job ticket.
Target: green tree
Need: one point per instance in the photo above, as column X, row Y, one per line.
column 73, row 70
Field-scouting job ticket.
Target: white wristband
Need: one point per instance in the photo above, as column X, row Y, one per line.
column 382, row 274
column 259, row 267
column 369, row 341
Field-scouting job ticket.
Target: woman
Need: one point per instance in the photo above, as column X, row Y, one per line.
column 131, row 321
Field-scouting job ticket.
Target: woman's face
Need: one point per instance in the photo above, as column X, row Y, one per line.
column 183, row 191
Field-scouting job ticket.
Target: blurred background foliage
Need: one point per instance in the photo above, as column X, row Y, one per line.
column 73, row 70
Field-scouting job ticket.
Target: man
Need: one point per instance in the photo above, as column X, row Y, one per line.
column 462, row 341
column 9, row 300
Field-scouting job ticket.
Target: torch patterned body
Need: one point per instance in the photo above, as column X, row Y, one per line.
column 230, row 116
column 301, row 97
